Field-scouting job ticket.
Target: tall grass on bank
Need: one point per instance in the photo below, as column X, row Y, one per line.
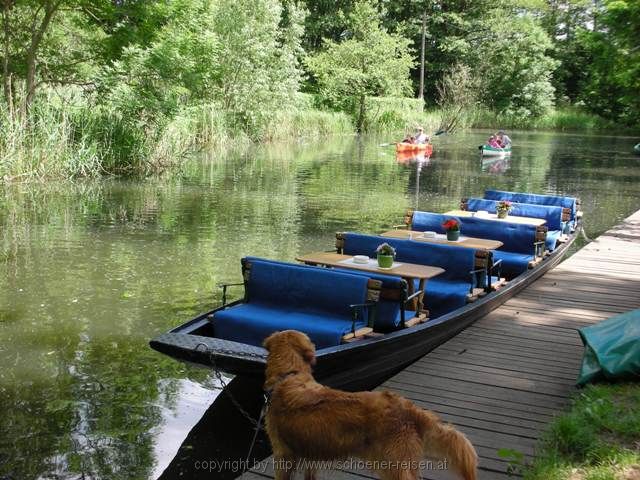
column 567, row 119
column 392, row 114
column 49, row 145
column 597, row 439
column 66, row 136
column 75, row 139
column 306, row 124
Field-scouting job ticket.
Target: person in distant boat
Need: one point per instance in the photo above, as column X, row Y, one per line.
column 409, row 139
column 493, row 142
column 503, row 139
column 421, row 137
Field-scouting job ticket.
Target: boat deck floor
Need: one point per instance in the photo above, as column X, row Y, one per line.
column 503, row 379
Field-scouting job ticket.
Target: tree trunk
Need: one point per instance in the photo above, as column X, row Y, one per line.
column 6, row 74
column 361, row 113
column 37, row 34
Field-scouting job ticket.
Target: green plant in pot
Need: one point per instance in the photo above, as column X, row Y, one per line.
column 386, row 254
column 452, row 227
column 503, row 208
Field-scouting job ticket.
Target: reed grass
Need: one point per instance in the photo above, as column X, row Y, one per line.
column 388, row 120
column 66, row 136
column 72, row 138
column 305, row 124
column 564, row 119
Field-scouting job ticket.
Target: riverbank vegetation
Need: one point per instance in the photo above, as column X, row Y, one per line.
column 127, row 87
column 596, row 439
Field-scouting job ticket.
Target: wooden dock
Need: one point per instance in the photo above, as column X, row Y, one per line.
column 503, row 379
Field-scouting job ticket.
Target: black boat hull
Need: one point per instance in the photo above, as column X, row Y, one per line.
column 355, row 366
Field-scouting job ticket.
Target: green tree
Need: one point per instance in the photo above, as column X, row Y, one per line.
column 612, row 87
column 258, row 71
column 45, row 42
column 370, row 62
column 453, row 29
column 231, row 53
column 325, row 20
column 514, row 66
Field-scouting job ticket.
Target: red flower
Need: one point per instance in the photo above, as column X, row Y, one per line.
column 451, row 224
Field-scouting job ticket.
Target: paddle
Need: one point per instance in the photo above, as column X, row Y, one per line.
column 437, row 134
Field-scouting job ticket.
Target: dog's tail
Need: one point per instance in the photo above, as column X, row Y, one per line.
column 443, row 441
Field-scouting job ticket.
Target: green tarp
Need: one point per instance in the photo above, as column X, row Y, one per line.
column 611, row 349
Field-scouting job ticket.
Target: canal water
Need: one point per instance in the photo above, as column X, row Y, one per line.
column 90, row 271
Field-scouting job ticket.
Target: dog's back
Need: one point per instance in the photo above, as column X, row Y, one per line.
column 310, row 421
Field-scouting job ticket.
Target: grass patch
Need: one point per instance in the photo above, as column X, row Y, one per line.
column 308, row 123
column 597, row 439
column 565, row 119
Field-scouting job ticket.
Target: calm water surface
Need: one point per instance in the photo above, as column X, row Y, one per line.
column 90, row 271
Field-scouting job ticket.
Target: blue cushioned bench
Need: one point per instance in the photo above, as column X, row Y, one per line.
column 570, row 203
column 325, row 304
column 443, row 293
column 390, row 312
column 521, row 242
column 551, row 214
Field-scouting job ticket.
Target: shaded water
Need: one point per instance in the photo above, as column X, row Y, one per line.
column 90, row 271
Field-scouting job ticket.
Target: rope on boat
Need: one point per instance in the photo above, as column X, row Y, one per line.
column 218, row 374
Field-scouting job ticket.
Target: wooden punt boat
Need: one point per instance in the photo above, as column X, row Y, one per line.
column 488, row 151
column 414, row 147
column 358, row 365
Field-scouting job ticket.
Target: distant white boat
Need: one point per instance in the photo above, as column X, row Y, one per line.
column 489, row 151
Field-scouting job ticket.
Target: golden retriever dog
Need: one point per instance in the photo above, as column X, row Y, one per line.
column 308, row 422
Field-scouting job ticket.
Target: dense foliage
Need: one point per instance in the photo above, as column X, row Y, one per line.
column 119, row 85
column 369, row 63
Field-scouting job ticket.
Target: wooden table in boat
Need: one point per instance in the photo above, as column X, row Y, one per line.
column 468, row 242
column 408, row 271
column 492, row 216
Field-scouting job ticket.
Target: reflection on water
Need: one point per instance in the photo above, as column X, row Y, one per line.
column 177, row 419
column 496, row 165
column 90, row 271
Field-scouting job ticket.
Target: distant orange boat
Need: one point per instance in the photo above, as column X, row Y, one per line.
column 415, row 147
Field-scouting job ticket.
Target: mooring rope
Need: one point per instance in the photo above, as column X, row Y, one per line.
column 218, row 374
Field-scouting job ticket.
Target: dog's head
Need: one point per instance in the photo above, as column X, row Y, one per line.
column 288, row 343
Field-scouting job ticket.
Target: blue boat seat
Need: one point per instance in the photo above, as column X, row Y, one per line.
column 282, row 296
column 443, row 293
column 520, row 241
column 390, row 312
column 551, row 200
column 551, row 214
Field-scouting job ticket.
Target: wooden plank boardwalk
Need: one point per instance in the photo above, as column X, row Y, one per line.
column 503, row 379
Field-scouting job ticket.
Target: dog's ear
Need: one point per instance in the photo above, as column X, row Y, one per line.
column 268, row 341
column 309, row 356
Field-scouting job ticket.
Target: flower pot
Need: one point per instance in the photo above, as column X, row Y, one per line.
column 385, row 261
column 502, row 213
column 453, row 235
